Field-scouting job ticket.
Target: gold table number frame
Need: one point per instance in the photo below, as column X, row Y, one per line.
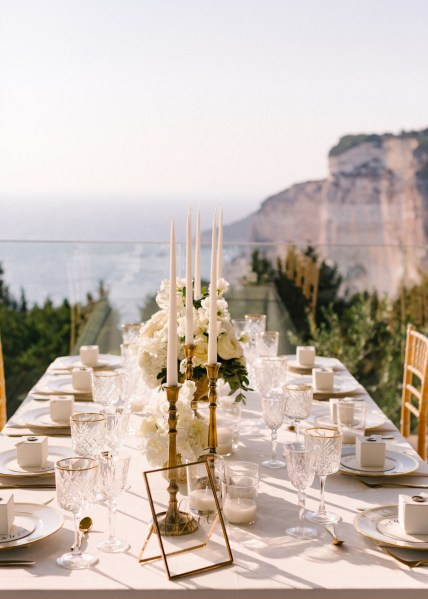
column 199, row 545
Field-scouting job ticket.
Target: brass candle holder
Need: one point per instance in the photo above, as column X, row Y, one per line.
column 212, row 370
column 189, row 350
column 173, row 522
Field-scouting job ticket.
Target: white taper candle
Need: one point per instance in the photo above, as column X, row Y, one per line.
column 198, row 257
column 189, row 288
column 171, row 364
column 212, row 326
column 220, row 246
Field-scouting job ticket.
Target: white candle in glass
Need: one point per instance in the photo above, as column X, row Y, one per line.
column 171, row 364
column 224, row 441
column 240, row 511
column 212, row 326
column 220, row 246
column 197, row 290
column 202, row 500
column 189, row 290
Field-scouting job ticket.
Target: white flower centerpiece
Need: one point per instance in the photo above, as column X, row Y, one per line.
column 192, row 430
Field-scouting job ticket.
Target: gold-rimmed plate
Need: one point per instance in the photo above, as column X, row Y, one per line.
column 40, row 418
column 61, row 386
column 45, row 519
column 372, row 420
column 9, row 465
column 104, row 361
column 381, row 524
column 320, row 362
column 396, row 464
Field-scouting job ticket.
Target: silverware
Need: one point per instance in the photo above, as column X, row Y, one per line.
column 44, row 486
column 335, row 541
column 7, row 563
column 376, row 485
column 85, row 526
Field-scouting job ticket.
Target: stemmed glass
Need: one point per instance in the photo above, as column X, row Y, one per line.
column 326, row 444
column 267, row 344
column 76, row 485
column 112, row 482
column 117, row 419
column 270, row 373
column 299, row 404
column 301, row 472
column 274, row 405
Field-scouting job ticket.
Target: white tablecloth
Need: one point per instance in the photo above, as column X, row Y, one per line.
column 268, row 563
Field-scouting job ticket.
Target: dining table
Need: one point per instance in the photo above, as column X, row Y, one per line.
column 267, row 563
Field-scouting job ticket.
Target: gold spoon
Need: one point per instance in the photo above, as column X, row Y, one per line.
column 85, row 526
column 335, row 541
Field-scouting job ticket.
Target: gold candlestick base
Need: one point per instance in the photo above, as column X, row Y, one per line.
column 189, row 351
column 173, row 522
column 212, row 370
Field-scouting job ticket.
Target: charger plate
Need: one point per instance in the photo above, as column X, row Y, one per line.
column 402, row 464
column 9, row 465
column 320, row 362
column 381, row 525
column 45, row 519
column 70, row 362
column 342, row 387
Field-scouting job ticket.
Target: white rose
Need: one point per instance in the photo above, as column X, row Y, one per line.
column 228, row 347
column 200, row 357
column 156, row 323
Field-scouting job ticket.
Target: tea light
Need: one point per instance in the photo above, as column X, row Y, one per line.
column 32, row 452
column 322, row 379
column 89, row 355
column 224, row 441
column 61, row 407
column 81, row 378
column 202, row 500
column 240, row 511
column 7, row 512
column 305, row 355
column 413, row 514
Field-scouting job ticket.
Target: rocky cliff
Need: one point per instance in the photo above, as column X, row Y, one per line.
column 370, row 215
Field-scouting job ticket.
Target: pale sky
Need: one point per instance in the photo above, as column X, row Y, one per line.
column 229, row 100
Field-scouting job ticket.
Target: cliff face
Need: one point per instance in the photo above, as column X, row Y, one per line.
column 374, row 205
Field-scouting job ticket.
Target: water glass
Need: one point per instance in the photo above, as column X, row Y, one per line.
column 301, row 472
column 326, row 445
column 255, row 324
column 274, row 406
column 351, row 418
column 76, row 485
column 112, row 482
column 88, row 433
column 299, row 404
column 131, row 332
column 105, row 387
column 267, row 343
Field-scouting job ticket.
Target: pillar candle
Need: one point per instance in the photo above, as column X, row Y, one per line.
column 189, row 290
column 171, row 364
column 198, row 257
column 212, row 326
column 220, row 246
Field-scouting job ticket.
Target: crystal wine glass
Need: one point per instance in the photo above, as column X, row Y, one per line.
column 267, row 343
column 299, row 404
column 326, row 444
column 270, row 373
column 274, row 405
column 76, row 485
column 301, row 472
column 88, row 433
column 112, row 482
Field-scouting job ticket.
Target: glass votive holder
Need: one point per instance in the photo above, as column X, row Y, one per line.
column 131, row 332
column 106, row 387
column 230, row 411
column 351, row 418
column 200, row 494
column 235, row 471
column 240, row 500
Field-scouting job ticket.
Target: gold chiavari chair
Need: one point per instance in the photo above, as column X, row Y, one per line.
column 415, row 387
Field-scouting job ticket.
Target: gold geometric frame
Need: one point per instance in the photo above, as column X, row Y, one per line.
column 155, row 528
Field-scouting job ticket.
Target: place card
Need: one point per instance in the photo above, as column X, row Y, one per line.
column 7, row 512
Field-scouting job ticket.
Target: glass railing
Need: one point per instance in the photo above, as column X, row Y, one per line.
column 107, row 284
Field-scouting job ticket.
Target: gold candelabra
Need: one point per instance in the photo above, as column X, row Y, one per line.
column 189, row 350
column 173, row 522
column 212, row 370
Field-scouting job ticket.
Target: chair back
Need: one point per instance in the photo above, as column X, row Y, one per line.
column 415, row 387
column 2, row 391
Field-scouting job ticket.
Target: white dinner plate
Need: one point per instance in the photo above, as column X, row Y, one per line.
column 403, row 464
column 342, row 387
column 60, row 386
column 9, row 465
column 381, row 525
column 40, row 418
column 45, row 519
column 372, row 420
column 104, row 361
column 320, row 362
